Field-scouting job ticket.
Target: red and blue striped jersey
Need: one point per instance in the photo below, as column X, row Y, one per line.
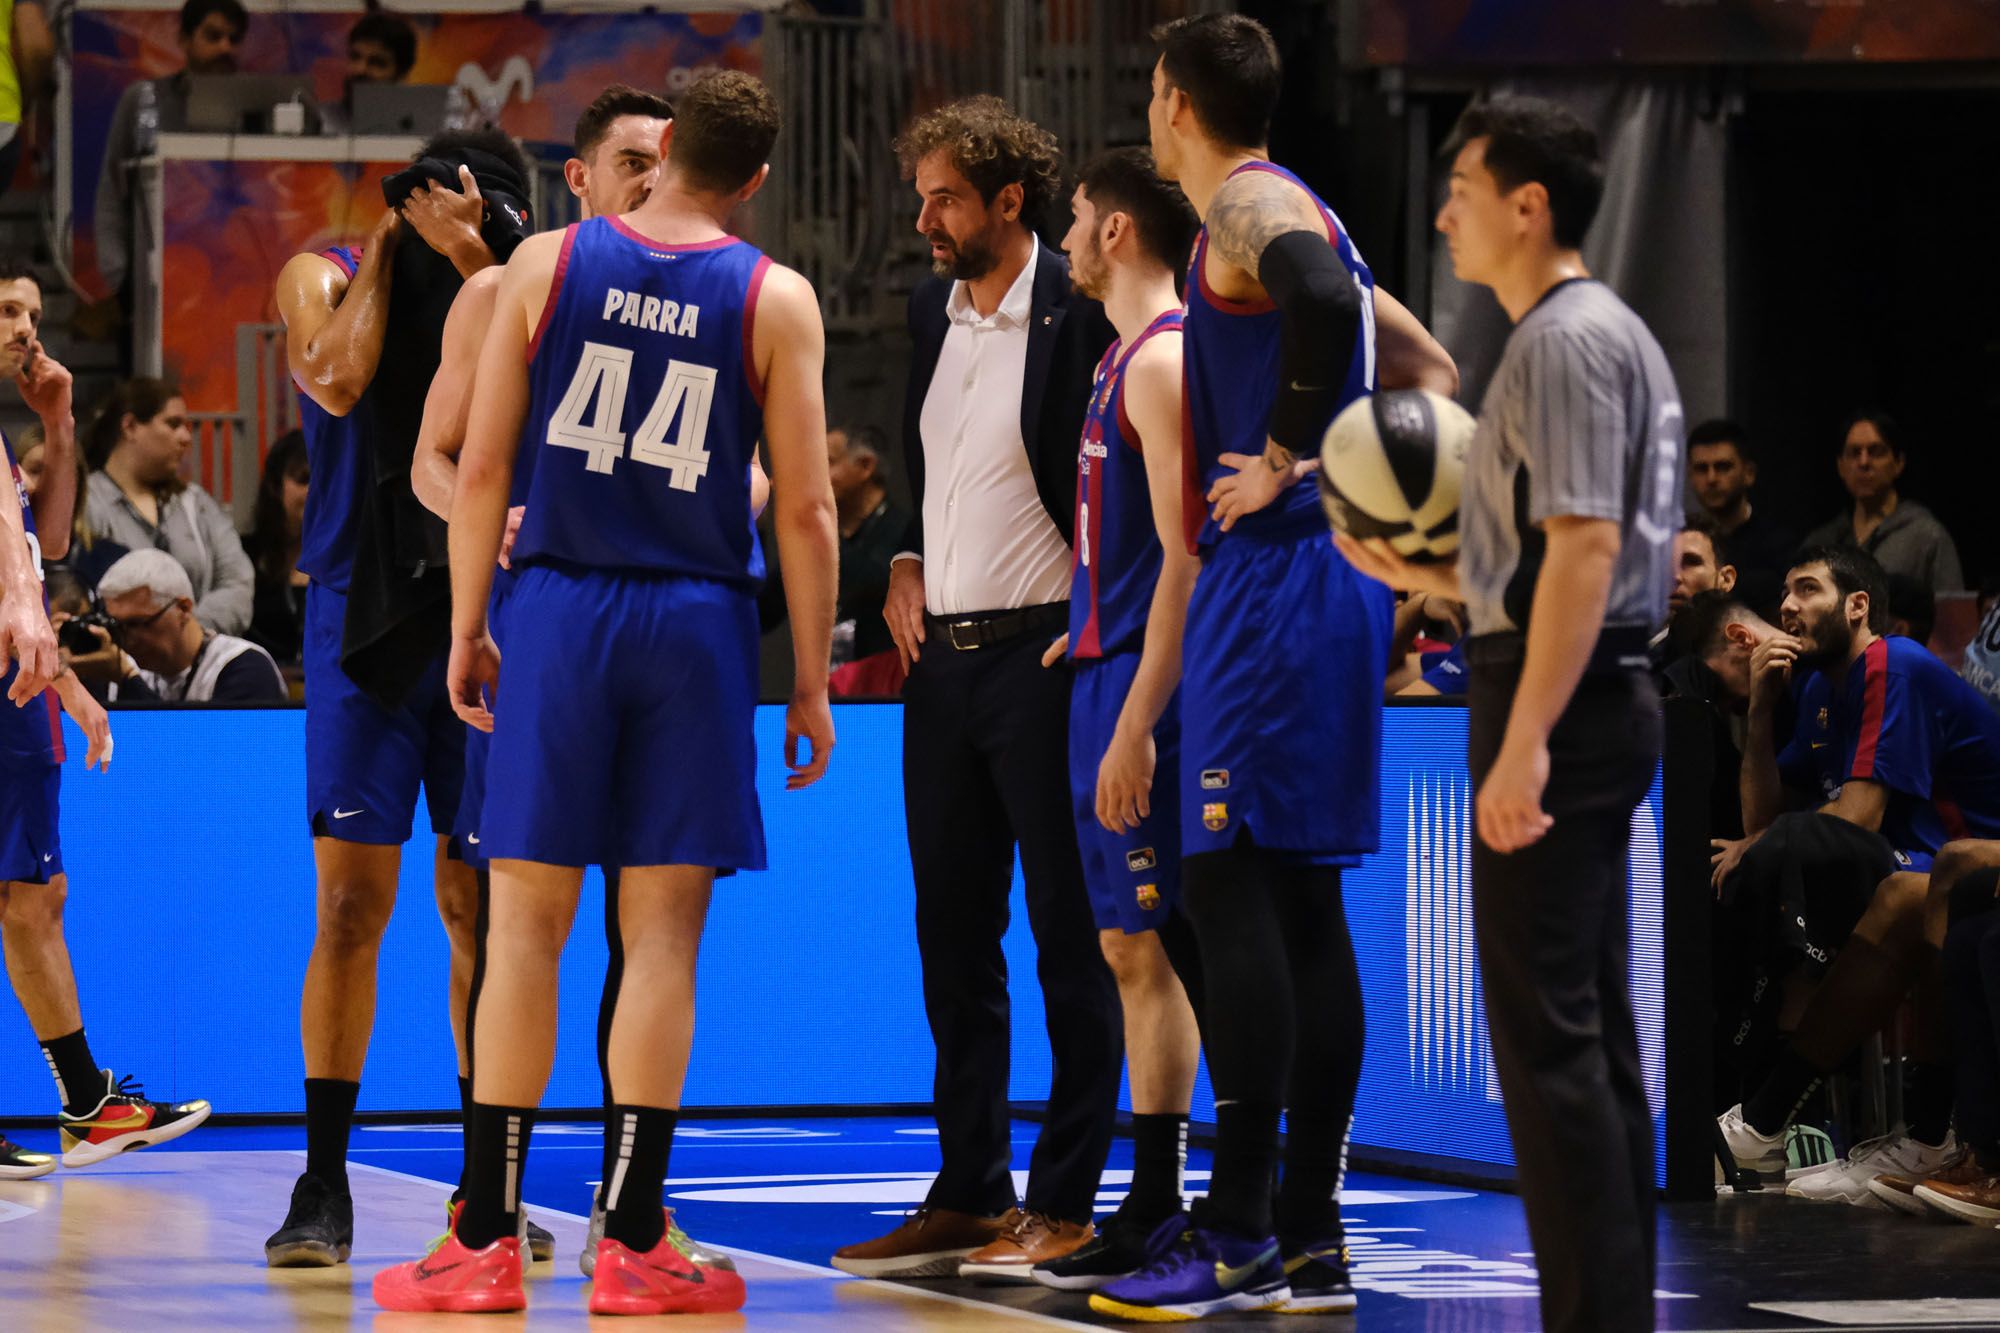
column 645, row 407
column 33, row 731
column 1898, row 716
column 339, row 466
column 1231, row 351
column 1115, row 562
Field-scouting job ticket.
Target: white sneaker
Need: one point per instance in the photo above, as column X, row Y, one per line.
column 1762, row 1153
column 1846, row 1181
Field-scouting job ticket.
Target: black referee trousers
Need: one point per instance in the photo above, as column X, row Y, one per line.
column 1553, row 925
column 986, row 766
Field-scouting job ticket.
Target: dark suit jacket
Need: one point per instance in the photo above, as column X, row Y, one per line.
column 1067, row 335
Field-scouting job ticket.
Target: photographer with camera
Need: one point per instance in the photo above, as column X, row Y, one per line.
column 149, row 602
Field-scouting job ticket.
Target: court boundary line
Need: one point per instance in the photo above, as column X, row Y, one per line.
column 817, row 1270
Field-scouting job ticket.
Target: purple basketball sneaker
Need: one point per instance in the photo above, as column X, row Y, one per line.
column 1205, row 1272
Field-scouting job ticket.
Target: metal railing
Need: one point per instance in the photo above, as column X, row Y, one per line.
column 229, row 447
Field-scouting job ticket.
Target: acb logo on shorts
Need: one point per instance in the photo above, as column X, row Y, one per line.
column 1215, row 816
column 1142, row 859
column 1149, row 897
column 1214, row 779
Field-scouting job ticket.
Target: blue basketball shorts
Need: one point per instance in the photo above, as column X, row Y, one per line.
column 364, row 762
column 1133, row 878
column 1282, row 672
column 30, row 818
column 478, row 747
column 623, row 728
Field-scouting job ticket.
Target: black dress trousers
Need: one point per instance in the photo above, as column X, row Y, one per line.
column 985, row 767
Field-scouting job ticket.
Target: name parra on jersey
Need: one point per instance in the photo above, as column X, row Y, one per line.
column 651, row 312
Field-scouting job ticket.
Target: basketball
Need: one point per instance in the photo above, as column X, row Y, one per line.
column 1390, row 467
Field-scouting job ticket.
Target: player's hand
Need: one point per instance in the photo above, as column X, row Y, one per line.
column 473, row 678
column 1436, row 609
column 89, row 716
column 1125, row 781
column 1054, row 652
column 512, row 530
column 904, row 609
column 387, row 231
column 448, row 220
column 1726, row 855
column 45, row 385
column 810, row 717
column 1254, row 486
column 25, row 633
column 1509, row 808
column 1771, row 665
column 1378, row 560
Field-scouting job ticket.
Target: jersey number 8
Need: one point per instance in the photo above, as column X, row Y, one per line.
column 598, row 392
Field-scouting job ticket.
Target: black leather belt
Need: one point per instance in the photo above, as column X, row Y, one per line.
column 988, row 629
column 1618, row 648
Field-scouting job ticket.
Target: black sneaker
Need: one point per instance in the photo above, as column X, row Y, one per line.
column 318, row 1231
column 17, row 1163
column 1119, row 1249
column 1319, row 1279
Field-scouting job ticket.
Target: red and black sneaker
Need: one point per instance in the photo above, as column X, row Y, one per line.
column 454, row 1280
column 663, row 1280
column 124, row 1120
column 17, row 1163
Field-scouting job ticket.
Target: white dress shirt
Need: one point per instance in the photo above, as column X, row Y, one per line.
column 989, row 543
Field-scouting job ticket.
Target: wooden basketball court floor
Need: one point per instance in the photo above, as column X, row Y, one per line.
column 171, row 1239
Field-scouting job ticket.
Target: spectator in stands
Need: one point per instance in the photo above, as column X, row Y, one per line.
column 29, row 457
column 211, row 33
column 1723, row 471
column 25, row 66
column 1902, row 535
column 277, row 617
column 138, row 499
column 89, row 555
column 1698, row 563
column 181, row 660
column 1981, row 667
column 381, row 48
column 1905, row 757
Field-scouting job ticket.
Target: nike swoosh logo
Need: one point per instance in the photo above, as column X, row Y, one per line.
column 1296, row 1262
column 48, row 856
column 692, row 1275
column 130, row 1120
column 1227, row 1277
column 1307, row 388
column 424, row 1272
column 348, row 814
column 472, row 838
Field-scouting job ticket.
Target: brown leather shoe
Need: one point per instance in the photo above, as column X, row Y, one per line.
column 1035, row 1238
column 930, row 1243
column 1974, row 1201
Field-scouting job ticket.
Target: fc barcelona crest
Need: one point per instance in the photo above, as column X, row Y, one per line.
column 1215, row 816
column 1149, row 897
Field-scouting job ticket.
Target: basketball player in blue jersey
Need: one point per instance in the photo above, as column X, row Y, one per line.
column 364, row 761
column 1130, row 579
column 657, row 349
column 617, row 163
column 101, row 1115
column 1282, row 671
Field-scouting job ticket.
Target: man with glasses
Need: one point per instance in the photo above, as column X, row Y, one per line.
column 178, row 659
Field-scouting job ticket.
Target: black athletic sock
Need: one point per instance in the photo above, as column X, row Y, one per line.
column 1927, row 1092
column 464, row 1135
column 635, row 1190
column 329, row 1117
column 496, row 1153
column 1791, row 1081
column 1159, row 1164
column 79, row 1082
column 1246, row 1159
column 607, row 1009
column 1326, row 1059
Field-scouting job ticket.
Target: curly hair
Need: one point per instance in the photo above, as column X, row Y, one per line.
column 990, row 146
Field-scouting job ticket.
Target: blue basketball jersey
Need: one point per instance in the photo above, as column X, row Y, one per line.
column 1116, row 560
column 645, row 408
column 34, row 730
column 339, row 466
column 1231, row 354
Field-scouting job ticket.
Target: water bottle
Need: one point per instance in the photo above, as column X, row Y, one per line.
column 843, row 643
column 146, row 135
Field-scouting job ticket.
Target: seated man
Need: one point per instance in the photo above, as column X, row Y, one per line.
column 148, row 594
column 1907, row 757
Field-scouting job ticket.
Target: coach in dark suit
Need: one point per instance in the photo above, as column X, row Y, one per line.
column 1005, row 353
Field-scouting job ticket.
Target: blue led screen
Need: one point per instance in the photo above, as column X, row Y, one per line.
column 191, row 915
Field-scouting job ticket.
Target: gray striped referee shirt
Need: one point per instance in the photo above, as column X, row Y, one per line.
column 1581, row 419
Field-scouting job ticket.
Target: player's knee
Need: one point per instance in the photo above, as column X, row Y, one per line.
column 352, row 916
column 34, row 909
column 1965, row 854
column 1133, row 958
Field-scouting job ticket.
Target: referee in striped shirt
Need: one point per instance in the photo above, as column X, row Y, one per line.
column 1572, row 498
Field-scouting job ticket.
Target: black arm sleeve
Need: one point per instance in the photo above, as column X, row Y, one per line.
column 1319, row 305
